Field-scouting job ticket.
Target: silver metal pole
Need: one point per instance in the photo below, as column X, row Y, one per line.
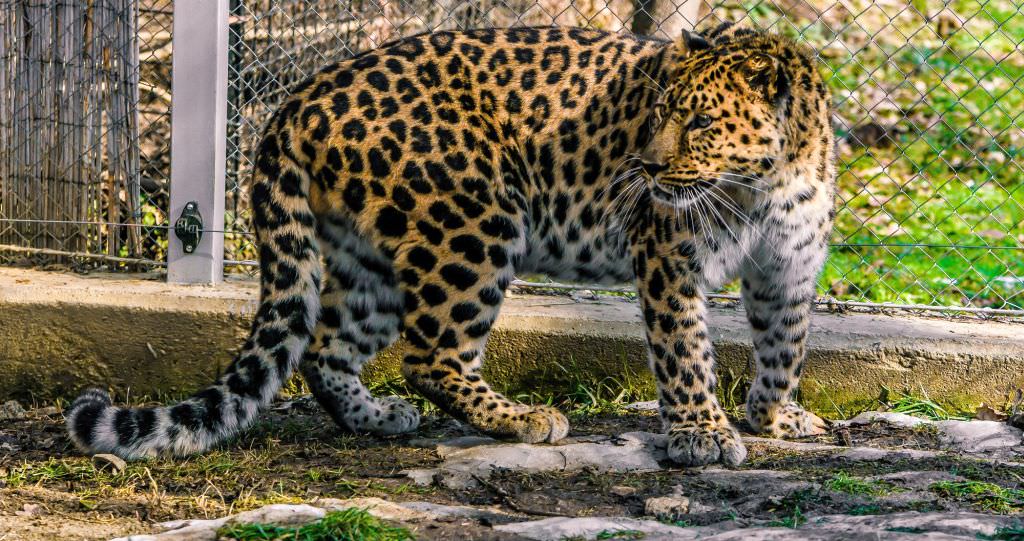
column 199, row 135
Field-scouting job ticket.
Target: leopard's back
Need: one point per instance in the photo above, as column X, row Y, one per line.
column 542, row 117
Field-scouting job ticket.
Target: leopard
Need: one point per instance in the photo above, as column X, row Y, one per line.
column 401, row 191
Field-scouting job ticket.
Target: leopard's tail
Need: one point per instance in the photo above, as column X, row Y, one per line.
column 289, row 307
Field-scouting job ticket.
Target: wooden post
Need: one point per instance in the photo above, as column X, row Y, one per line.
column 199, row 135
column 665, row 18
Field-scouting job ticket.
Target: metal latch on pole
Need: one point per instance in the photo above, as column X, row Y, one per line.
column 189, row 227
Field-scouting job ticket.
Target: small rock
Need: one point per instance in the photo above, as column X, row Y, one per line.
column 980, row 436
column 899, row 420
column 421, row 477
column 412, row 511
column 456, row 480
column 453, row 446
column 46, row 443
column 555, row 529
column 871, row 453
column 424, row 443
column 622, row 491
column 583, row 295
column 630, row 452
column 31, row 510
column 8, row 444
column 48, row 411
column 379, row 508
column 113, row 463
column 11, row 410
column 650, row 405
column 668, row 507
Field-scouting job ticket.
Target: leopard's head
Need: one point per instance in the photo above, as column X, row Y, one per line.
column 720, row 120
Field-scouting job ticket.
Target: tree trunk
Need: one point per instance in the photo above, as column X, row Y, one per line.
column 666, row 18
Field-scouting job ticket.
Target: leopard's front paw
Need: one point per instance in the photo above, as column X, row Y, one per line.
column 528, row 424
column 542, row 424
column 697, row 445
column 787, row 421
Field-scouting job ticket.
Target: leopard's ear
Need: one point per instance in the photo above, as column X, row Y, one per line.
column 766, row 76
column 689, row 43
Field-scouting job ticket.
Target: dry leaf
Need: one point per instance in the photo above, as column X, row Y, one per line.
column 986, row 413
column 111, row 462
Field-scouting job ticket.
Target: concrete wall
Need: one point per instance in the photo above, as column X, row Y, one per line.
column 60, row 332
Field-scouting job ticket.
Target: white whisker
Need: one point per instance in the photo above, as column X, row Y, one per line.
column 744, row 177
column 746, row 220
column 616, row 177
column 632, row 208
column 745, row 248
column 627, row 175
column 657, row 86
column 704, row 226
column 731, row 206
column 744, row 185
column 625, row 195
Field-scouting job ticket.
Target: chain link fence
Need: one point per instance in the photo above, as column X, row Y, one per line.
column 929, row 102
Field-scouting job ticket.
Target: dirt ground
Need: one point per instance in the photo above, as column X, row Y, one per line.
column 296, row 454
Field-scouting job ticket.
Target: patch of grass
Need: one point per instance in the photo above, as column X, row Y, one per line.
column 314, row 474
column 349, row 524
column 53, row 470
column 398, row 387
column 732, row 392
column 861, row 510
column 219, row 482
column 843, row 482
column 984, row 496
column 793, row 521
column 295, row 386
column 581, row 391
column 917, row 405
column 571, row 386
column 790, row 506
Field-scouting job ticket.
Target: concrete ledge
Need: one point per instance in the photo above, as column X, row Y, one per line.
column 59, row 332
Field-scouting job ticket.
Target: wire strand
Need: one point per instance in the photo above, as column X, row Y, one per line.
column 117, row 224
column 250, row 234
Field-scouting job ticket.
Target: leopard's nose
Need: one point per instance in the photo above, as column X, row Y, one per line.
column 652, row 168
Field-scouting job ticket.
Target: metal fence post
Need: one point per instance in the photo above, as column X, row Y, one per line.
column 199, row 135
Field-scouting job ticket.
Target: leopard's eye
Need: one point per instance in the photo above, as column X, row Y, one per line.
column 700, row 122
